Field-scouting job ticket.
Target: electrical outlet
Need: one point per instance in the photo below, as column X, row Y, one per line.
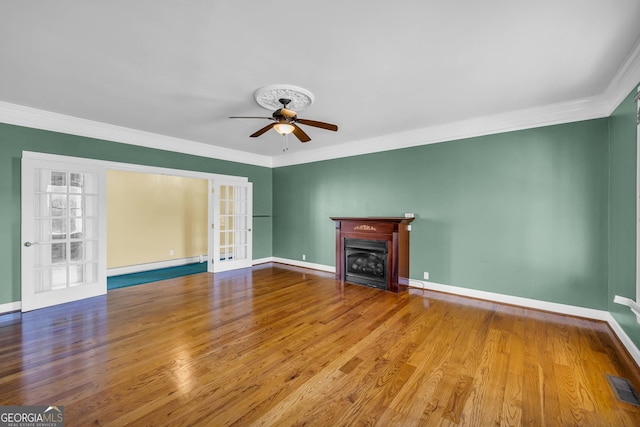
column 426, row 275
column 304, row 257
column 170, row 252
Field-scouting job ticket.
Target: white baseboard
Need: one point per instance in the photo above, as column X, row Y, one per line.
column 624, row 338
column 570, row 310
column 633, row 306
column 305, row 264
column 10, row 306
column 154, row 265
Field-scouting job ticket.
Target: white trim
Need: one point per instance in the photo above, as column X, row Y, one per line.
column 624, row 338
column 553, row 307
column 489, row 296
column 599, row 106
column 570, row 310
column 10, row 306
column 565, row 112
column 40, row 119
column 31, row 299
column 304, row 264
column 633, row 306
column 131, row 167
column 238, row 237
column 627, row 76
column 117, row 271
column 637, row 309
column 625, row 79
column 473, row 293
column 513, row 300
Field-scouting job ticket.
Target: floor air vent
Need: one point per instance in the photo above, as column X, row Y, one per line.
column 623, row 390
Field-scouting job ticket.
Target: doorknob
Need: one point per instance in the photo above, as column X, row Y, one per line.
column 27, row 244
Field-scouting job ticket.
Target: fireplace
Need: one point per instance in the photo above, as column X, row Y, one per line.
column 373, row 251
column 366, row 262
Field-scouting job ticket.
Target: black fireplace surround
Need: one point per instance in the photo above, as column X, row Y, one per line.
column 366, row 262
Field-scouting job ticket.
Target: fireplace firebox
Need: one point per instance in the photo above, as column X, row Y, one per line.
column 373, row 251
column 366, row 262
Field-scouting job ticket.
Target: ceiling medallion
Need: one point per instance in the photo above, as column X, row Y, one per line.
column 269, row 97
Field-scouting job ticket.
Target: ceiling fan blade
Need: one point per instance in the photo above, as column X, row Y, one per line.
column 303, row 137
column 261, row 131
column 317, row 124
column 250, row 117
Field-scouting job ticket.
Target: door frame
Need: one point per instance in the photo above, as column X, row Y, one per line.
column 30, row 298
column 212, row 178
column 216, row 265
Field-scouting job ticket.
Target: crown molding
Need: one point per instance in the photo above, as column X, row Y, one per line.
column 40, row 119
column 564, row 112
column 624, row 81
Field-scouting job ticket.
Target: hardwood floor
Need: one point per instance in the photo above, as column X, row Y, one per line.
column 279, row 345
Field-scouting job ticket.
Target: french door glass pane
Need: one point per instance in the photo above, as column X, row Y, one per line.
column 66, row 229
column 76, row 274
column 50, row 181
column 76, row 203
column 233, row 225
column 77, row 251
column 58, row 277
column 56, row 228
column 58, row 253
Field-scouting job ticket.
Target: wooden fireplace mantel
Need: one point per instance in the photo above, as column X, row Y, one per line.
column 395, row 230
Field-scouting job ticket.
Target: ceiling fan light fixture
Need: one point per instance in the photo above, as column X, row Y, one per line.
column 284, row 118
column 283, row 128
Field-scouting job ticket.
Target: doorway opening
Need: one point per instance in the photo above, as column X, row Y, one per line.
column 37, row 237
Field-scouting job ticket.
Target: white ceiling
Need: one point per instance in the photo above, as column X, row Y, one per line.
column 376, row 68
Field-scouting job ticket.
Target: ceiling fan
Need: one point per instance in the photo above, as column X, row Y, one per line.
column 284, row 122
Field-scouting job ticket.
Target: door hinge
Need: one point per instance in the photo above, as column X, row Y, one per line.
column 213, row 226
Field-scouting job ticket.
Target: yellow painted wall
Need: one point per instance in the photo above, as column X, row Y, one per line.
column 148, row 215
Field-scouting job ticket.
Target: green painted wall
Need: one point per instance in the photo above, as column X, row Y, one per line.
column 521, row 213
column 545, row 213
column 15, row 139
column 622, row 222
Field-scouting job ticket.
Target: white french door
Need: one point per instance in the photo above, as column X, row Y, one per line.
column 232, row 220
column 63, row 232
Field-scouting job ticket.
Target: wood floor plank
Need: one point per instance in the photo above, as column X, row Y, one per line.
column 279, row 345
column 513, row 394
